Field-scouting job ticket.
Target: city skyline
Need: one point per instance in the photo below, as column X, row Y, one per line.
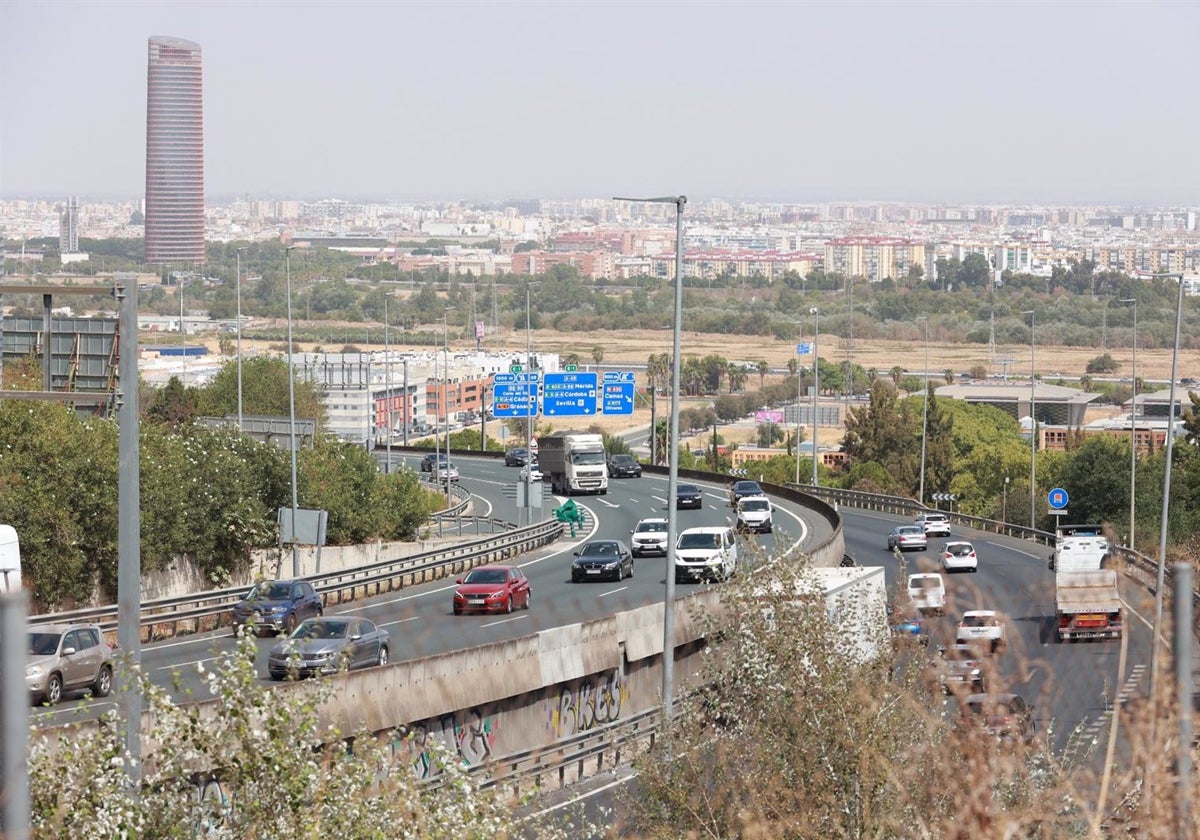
column 925, row 103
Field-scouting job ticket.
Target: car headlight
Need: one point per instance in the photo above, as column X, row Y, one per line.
column 33, row 671
column 497, row 594
column 613, row 564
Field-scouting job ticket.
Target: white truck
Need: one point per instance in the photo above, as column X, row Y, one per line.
column 1087, row 601
column 855, row 600
column 574, row 462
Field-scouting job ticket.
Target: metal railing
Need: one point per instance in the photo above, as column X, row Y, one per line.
column 210, row 610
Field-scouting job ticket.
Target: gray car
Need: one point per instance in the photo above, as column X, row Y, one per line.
column 328, row 645
column 599, row 559
column 67, row 657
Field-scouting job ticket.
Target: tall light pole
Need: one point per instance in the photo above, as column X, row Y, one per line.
column 1032, row 418
column 387, row 390
column 816, row 313
column 292, row 407
column 1166, row 503
column 668, row 685
column 1133, row 431
column 239, row 335
column 532, row 390
column 445, row 397
column 924, row 413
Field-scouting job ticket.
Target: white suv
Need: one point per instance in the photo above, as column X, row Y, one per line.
column 981, row 627
column 649, row 536
column 935, row 524
column 708, row 553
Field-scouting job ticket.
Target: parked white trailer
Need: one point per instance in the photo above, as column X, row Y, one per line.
column 855, row 603
column 10, row 559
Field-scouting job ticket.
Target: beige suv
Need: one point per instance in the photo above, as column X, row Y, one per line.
column 67, row 657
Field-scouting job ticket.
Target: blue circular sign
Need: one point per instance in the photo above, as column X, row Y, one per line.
column 1057, row 498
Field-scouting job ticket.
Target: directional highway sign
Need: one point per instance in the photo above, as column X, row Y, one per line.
column 514, row 394
column 618, row 398
column 804, row 349
column 569, row 394
column 618, row 376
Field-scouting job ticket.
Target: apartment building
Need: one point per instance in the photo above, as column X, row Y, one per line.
column 873, row 258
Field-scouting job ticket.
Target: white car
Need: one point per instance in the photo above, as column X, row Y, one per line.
column 959, row 556
column 754, row 514
column 706, row 553
column 530, row 472
column 927, row 591
column 649, row 536
column 934, row 524
column 982, row 628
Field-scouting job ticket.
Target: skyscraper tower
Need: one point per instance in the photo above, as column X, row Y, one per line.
column 174, row 153
column 68, row 227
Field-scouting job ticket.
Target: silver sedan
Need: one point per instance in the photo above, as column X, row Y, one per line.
column 327, row 645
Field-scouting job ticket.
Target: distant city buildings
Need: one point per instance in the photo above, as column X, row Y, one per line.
column 174, row 153
column 68, row 227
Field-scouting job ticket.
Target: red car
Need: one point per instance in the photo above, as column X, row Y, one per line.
column 492, row 589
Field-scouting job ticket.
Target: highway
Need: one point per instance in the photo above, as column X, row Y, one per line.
column 1070, row 685
column 420, row 620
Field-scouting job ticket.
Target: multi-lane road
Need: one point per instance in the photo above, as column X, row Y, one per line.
column 1070, row 685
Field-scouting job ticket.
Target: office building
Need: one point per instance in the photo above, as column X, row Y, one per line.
column 174, row 153
column 68, row 227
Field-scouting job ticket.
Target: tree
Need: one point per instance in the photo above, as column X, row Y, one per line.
column 763, row 368
column 729, row 407
column 769, row 434
column 1097, row 478
column 883, row 433
column 598, row 353
column 173, row 405
column 1103, row 363
column 264, row 391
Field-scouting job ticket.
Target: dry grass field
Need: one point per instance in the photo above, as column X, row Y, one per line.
column 635, row 346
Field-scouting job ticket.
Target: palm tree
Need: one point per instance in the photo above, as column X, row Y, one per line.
column 597, row 354
column 762, row 367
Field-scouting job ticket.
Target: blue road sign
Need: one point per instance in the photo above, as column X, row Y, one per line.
column 514, row 399
column 618, row 398
column 1057, row 498
column 569, row 394
column 804, row 349
column 618, row 376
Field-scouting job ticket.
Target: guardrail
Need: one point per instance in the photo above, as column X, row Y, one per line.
column 203, row 611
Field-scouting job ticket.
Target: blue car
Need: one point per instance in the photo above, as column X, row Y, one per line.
column 909, row 626
column 279, row 605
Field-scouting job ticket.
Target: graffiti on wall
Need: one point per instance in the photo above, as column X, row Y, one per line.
column 589, row 703
column 470, row 736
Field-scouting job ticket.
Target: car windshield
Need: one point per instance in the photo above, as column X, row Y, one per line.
column 274, row 591
column 700, row 541
column 643, row 527
column 593, row 549
column 587, row 458
column 924, row 583
column 687, row 490
column 486, row 576
column 623, row 459
column 959, row 548
column 43, row 644
column 745, row 487
column 324, row 629
column 755, row 504
column 908, row 530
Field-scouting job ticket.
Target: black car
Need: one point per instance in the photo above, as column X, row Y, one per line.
column 427, row 461
column 688, row 496
column 624, row 466
column 743, row 488
column 600, row 559
column 516, row 456
column 278, row 604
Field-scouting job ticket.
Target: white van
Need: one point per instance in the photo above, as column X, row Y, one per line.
column 927, row 591
column 708, row 553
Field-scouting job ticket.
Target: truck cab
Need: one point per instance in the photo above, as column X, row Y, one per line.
column 574, row 462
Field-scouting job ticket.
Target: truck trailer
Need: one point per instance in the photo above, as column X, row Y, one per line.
column 574, row 462
column 1088, row 605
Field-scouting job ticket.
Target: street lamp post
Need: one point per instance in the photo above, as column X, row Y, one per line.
column 387, row 390
column 1133, row 431
column 1032, row 418
column 239, row 335
column 1166, row 504
column 292, row 407
column 816, row 313
column 924, row 414
column 446, row 396
column 672, row 457
column 531, row 390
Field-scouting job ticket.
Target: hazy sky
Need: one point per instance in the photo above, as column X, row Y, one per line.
column 1082, row 102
